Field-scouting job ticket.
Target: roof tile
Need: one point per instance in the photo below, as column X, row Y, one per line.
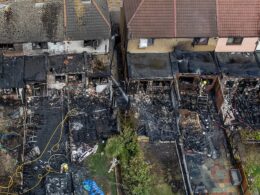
column 152, row 18
column 238, row 18
column 196, row 18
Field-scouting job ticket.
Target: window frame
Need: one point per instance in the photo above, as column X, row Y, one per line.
column 234, row 41
column 197, row 41
column 40, row 45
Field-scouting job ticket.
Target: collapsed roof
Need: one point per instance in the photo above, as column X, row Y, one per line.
column 16, row 71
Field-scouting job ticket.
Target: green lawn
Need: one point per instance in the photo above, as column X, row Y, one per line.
column 99, row 164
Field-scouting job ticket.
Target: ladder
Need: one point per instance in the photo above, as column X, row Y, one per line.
column 202, row 103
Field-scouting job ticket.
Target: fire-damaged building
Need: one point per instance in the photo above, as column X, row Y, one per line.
column 55, row 60
column 55, row 27
column 185, row 74
column 52, row 102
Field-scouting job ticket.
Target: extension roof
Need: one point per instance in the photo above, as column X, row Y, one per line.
column 238, row 64
column 150, row 66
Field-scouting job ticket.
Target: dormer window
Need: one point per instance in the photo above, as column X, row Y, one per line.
column 91, row 43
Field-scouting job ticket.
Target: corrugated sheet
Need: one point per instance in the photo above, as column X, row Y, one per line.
column 196, row 18
column 238, row 18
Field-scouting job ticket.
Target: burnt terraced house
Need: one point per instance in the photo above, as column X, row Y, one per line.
column 191, row 72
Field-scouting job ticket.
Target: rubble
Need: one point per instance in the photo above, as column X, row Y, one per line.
column 59, row 184
column 152, row 105
column 201, row 135
column 11, row 134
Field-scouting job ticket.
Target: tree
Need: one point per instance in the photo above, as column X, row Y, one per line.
column 138, row 177
column 114, row 147
column 135, row 171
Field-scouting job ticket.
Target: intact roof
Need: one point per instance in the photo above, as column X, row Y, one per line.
column 196, row 18
column 150, row 66
column 87, row 21
column 195, row 62
column 170, row 18
column 150, row 18
column 238, row 18
column 27, row 21
column 238, row 64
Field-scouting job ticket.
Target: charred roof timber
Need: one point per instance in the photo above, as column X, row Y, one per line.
column 15, row 72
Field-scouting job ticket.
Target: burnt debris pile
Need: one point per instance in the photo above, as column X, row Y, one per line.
column 247, row 102
column 153, row 107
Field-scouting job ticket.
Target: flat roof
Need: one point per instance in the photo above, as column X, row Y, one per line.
column 238, row 64
column 150, row 66
column 195, row 62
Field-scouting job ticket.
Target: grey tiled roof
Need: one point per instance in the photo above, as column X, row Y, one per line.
column 87, row 21
column 26, row 21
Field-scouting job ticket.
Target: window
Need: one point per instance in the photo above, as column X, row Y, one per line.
column 234, row 41
column 86, row 1
column 200, row 41
column 40, row 45
column 74, row 78
column 60, row 78
column 4, row 46
column 144, row 43
column 91, row 43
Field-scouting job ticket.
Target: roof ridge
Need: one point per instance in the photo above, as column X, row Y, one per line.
column 137, row 9
column 101, row 13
